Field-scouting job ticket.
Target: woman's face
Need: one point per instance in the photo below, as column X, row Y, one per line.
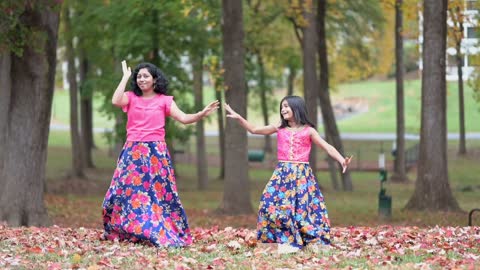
column 286, row 111
column 145, row 80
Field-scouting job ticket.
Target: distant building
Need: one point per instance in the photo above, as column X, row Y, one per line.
column 470, row 47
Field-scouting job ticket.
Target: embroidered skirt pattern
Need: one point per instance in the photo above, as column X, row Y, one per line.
column 292, row 208
column 142, row 203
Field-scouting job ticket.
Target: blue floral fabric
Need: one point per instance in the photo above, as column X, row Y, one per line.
column 292, row 208
column 142, row 202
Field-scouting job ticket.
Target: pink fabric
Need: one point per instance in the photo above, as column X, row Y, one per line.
column 293, row 145
column 146, row 117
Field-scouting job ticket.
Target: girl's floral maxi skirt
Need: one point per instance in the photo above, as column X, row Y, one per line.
column 292, row 209
column 142, row 203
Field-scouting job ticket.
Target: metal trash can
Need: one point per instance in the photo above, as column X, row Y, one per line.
column 256, row 155
column 384, row 201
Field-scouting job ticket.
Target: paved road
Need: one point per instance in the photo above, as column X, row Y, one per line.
column 345, row 136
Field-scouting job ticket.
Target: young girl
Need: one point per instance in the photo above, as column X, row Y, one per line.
column 142, row 203
column 292, row 210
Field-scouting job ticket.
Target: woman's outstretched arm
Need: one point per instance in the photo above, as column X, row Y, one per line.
column 185, row 118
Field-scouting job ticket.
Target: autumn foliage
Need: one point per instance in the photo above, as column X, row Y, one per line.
column 236, row 248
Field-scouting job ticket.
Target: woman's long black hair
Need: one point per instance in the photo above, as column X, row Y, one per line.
column 160, row 85
column 299, row 109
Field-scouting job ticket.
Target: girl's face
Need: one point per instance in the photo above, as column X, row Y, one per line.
column 145, row 80
column 287, row 112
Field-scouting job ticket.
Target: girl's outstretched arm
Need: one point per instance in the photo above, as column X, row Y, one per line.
column 344, row 161
column 184, row 118
column 265, row 130
column 119, row 97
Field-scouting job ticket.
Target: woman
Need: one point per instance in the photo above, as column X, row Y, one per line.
column 142, row 203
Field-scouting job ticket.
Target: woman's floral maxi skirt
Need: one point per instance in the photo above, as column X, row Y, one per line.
column 292, row 209
column 142, row 203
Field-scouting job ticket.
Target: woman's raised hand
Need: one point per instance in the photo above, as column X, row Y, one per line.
column 213, row 106
column 127, row 71
column 230, row 112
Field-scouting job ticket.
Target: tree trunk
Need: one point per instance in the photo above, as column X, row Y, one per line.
column 77, row 155
column 323, row 87
column 331, row 131
column 263, row 100
column 310, row 74
column 292, row 73
column 155, row 53
column 119, row 134
column 118, row 140
column 27, row 84
column 458, row 19
column 332, row 170
column 86, row 114
column 462, row 147
column 5, row 94
column 202, row 164
column 221, row 134
column 236, row 199
column 399, row 174
column 432, row 188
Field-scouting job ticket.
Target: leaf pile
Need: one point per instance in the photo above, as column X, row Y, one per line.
column 236, row 248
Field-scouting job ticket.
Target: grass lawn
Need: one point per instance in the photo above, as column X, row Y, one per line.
column 378, row 96
column 382, row 103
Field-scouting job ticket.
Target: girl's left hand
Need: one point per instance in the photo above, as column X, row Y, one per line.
column 230, row 112
column 345, row 163
column 213, row 106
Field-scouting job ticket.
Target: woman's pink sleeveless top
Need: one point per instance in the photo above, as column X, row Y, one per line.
column 294, row 145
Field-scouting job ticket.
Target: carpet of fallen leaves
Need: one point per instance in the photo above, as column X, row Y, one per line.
column 236, row 248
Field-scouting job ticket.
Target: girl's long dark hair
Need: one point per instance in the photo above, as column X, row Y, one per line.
column 160, row 85
column 299, row 109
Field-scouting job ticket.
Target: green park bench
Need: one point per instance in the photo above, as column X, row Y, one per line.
column 256, row 155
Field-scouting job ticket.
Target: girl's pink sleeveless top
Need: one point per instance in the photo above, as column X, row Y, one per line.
column 294, row 145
